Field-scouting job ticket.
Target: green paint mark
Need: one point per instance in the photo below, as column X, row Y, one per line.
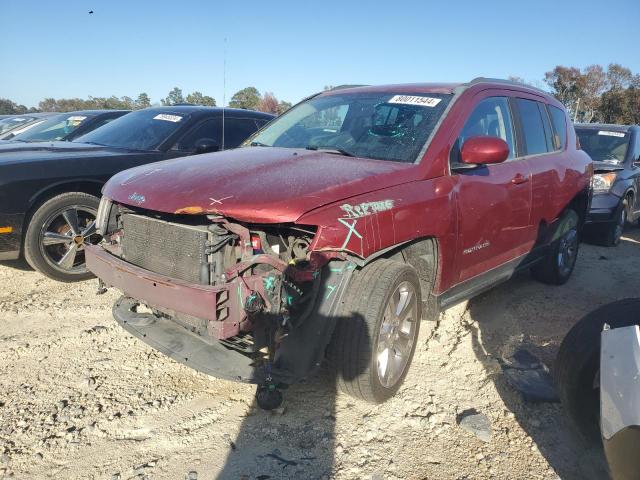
column 331, row 290
column 336, row 270
column 289, row 300
column 269, row 283
column 351, row 266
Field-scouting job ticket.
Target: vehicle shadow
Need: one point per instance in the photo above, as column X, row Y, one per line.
column 279, row 445
column 20, row 264
column 525, row 315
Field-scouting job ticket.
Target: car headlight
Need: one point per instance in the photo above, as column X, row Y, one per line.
column 602, row 182
column 102, row 218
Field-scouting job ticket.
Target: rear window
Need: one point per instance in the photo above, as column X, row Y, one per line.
column 532, row 127
column 558, row 119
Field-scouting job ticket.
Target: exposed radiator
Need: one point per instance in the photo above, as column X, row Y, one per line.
column 166, row 248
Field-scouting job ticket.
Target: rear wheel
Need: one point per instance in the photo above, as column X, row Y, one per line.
column 577, row 365
column 57, row 233
column 377, row 331
column 558, row 265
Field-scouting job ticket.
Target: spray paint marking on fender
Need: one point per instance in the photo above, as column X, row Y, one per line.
column 352, row 230
column 366, row 208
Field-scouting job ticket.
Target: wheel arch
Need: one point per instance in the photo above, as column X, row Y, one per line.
column 423, row 254
column 90, row 187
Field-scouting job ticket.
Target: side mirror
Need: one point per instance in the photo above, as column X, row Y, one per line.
column 484, row 150
column 206, row 145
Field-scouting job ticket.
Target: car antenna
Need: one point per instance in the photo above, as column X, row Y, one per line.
column 224, row 85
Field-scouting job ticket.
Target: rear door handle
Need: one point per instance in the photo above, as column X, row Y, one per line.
column 519, row 178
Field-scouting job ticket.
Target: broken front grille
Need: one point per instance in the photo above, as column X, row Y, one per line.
column 170, row 249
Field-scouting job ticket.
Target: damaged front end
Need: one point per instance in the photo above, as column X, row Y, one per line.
column 251, row 303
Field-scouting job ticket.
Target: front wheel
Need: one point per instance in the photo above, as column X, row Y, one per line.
column 377, row 331
column 57, row 233
column 557, row 266
column 614, row 230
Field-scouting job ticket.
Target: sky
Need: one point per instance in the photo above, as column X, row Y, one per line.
column 294, row 48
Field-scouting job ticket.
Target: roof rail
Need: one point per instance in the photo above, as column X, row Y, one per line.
column 506, row 82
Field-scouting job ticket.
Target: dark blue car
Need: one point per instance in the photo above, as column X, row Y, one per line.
column 615, row 150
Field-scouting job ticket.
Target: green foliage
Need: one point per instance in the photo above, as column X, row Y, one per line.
column 248, row 98
column 175, row 97
column 7, row 107
column 197, row 98
column 143, row 101
column 595, row 95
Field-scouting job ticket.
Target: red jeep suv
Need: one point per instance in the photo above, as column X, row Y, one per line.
column 339, row 226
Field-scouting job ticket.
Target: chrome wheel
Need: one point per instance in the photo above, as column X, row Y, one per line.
column 567, row 251
column 397, row 334
column 64, row 235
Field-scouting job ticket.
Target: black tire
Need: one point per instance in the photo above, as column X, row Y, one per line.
column 577, row 365
column 555, row 269
column 43, row 258
column 354, row 346
column 613, row 231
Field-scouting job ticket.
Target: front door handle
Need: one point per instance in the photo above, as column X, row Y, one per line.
column 519, row 178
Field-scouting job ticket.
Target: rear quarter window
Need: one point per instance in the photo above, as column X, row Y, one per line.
column 559, row 122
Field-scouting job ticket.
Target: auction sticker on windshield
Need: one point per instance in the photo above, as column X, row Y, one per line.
column 611, row 134
column 168, row 118
column 415, row 100
column 76, row 118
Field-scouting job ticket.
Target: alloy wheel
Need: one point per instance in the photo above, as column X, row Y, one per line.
column 397, row 334
column 64, row 235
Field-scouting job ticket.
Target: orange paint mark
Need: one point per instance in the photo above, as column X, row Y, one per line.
column 189, row 210
column 6, row 229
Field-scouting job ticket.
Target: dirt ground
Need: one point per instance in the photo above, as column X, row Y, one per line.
column 80, row 398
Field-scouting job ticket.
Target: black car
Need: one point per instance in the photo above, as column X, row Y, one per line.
column 13, row 124
column 615, row 150
column 65, row 126
column 49, row 192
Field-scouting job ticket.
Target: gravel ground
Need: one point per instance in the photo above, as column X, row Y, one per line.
column 80, row 398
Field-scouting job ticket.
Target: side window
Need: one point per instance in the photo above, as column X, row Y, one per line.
column 210, row 130
column 546, row 123
column 490, row 118
column 535, row 141
column 558, row 119
column 237, row 130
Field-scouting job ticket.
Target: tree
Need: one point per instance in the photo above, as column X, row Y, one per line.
column 247, row 98
column 283, row 107
column 175, row 97
column 7, row 107
column 566, row 85
column 268, row 103
column 198, row 98
column 143, row 101
column 618, row 77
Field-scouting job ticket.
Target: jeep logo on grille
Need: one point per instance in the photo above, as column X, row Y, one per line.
column 137, row 197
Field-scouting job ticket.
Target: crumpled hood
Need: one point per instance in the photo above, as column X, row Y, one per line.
column 253, row 184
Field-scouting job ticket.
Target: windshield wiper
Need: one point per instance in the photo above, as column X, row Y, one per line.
column 93, row 143
column 329, row 149
column 259, row 144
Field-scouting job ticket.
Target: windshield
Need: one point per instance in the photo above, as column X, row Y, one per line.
column 382, row 126
column 7, row 124
column 604, row 145
column 141, row 130
column 55, row 128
